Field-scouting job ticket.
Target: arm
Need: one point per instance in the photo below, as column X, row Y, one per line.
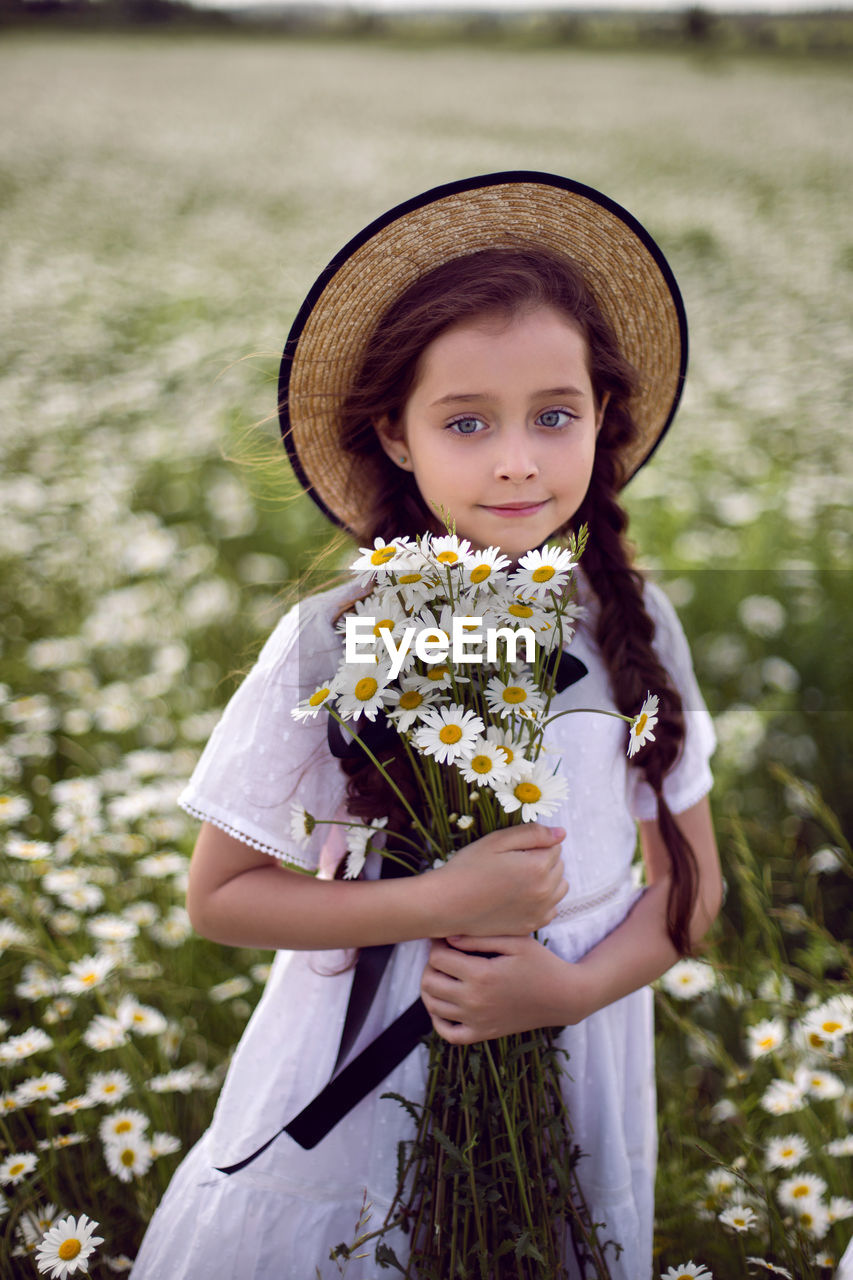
column 240, row 897
column 527, row 986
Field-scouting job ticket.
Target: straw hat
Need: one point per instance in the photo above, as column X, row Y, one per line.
column 623, row 266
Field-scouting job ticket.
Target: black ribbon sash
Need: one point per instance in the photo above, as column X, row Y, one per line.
column 349, row 1085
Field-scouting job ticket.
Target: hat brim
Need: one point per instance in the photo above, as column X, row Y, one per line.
column 624, row 267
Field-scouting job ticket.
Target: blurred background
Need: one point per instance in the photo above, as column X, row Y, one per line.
column 172, row 179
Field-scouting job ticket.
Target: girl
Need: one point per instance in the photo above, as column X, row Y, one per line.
column 510, row 348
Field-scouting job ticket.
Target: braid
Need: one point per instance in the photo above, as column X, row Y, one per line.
column 625, row 634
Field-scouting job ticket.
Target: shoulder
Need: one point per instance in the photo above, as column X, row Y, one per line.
column 669, row 639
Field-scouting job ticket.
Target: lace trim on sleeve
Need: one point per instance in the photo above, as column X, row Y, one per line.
column 287, row 859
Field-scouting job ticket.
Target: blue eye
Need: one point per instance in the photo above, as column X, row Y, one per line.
column 466, row 426
column 555, row 417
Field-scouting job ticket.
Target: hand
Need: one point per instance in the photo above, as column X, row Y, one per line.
column 524, row 986
column 508, row 882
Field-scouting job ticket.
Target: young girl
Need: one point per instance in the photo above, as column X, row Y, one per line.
column 511, row 349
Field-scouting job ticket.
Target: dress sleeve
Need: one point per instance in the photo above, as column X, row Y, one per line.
column 259, row 761
column 690, row 777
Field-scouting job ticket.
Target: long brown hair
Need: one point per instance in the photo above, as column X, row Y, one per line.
column 503, row 281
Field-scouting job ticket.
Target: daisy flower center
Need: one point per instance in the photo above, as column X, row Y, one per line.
column 520, row 611
column 383, row 623
column 480, row 574
column 450, row 733
column 127, row 1157
column 514, row 694
column 410, row 699
column 543, row 574
column 15, row 1169
column 447, row 557
column 767, row 1043
column 800, row 1191
column 69, row 1249
column 316, row 698
column 831, row 1027
column 123, row 1126
column 436, row 673
column 481, row 764
column 365, row 688
column 527, row 793
column 88, row 978
column 509, row 754
column 382, row 555
column 408, row 579
column 641, row 724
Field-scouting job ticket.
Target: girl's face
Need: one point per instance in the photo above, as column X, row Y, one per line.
column 500, row 427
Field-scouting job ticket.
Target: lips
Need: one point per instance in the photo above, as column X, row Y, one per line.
column 511, row 509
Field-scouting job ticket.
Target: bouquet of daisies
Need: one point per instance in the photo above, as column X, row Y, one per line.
column 453, row 655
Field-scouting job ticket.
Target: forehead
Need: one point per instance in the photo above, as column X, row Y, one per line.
column 533, row 339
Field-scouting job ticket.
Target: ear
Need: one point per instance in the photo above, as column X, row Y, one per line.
column 393, row 442
column 599, row 416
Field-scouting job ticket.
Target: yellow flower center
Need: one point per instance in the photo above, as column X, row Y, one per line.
column 123, row 1126
column 481, row 764
column 365, row 688
column 767, row 1042
column 450, row 733
column 407, row 579
column 316, row 698
column 799, row 1191
column 15, row 1169
column 830, row 1027
column 514, row 693
column 527, row 793
column 509, row 754
column 481, row 572
column 520, row 610
column 543, row 574
column 109, row 1088
column 383, row 554
column 384, row 624
column 641, row 724
column 447, row 557
column 815, row 1040
column 128, row 1157
column 436, row 673
column 787, row 1153
column 88, row 978
column 410, row 699
column 69, row 1249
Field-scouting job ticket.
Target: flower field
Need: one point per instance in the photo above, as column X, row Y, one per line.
column 164, row 206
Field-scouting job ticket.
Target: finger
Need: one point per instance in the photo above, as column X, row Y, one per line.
column 455, row 1032
column 505, row 944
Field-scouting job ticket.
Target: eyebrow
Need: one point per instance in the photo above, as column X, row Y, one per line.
column 467, row 397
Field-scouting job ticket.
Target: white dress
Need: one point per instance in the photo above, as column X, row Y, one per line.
column 278, row 1218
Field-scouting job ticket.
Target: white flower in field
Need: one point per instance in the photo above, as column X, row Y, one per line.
column 839, row 1209
column 33, row 1223
column 820, row 1084
column 120, row 1263
column 48, row 1086
column 260, row 972
column 61, row 1141
column 771, row 1268
column 824, row 1027
column 517, row 696
column 786, row 1152
column 34, row 1040
column 81, row 794
column 104, row 1033
column 464, row 822
column 534, row 789
column 688, row 979
column 109, row 928
column 438, row 676
column 516, row 613
column 164, row 1144
column 67, row 1247
column 483, row 566
column 641, row 728
column 802, row 1188
column 407, row 703
column 124, row 1123
column 447, row 550
column 157, row 866
column 13, row 809
column 825, row 861
column 64, row 922
column 108, row 1086
column 11, row 935
column 720, row 1182
column 486, row 766
column 16, row 1167
column 357, row 840
column 302, row 823
column 813, row 1219
column 740, row 731
column 448, row 733
column 781, row 1097
column 542, row 571
column 183, row 1080
column 140, row 1018
column 29, row 850
column 128, row 1156
column 72, row 1105
column 230, row 989
column 776, row 987
column 37, row 982
column 765, row 1037
column 142, row 913
column 173, row 929
column 512, row 751
column 383, row 556
column 87, row 973
column 739, row 1217
column 8, row 1104
column 840, row 1146
column 762, row 615
column 359, row 694
column 82, row 897
column 314, row 703
column 688, row 1271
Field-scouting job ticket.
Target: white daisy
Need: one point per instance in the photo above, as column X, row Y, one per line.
column 128, row 1157
column 357, row 840
column 28, row 850
column 71, row 1106
column 67, row 1247
column 104, row 1033
column 786, row 1152
column 16, row 1167
column 781, row 1097
column 824, row 1027
column 164, row 1144
column 12, row 809
column 34, row 1040
column 447, row 550
column 721, row 1182
column 437, row 676
column 517, row 696
column 771, row 1267
column 48, row 1086
column 803, row 1188
column 108, row 1086
column 486, row 765
column 312, row 705
column 542, row 571
column 688, row 1271
column 124, row 1123
column 765, row 1037
column 820, row 1084
column 464, row 822
column 688, row 979
column 484, row 566
column 534, row 789
column 501, row 737
column 120, row 1263
column 33, row 1223
column 359, row 694
column 840, row 1146
column 109, row 928
column 409, row 701
column 87, row 973
column 302, row 823
column 12, row 935
column 840, row 1208
column 230, row 989
column 642, row 726
column 382, row 556
column 813, row 1219
column 412, row 586
column 739, row 1217
column 448, row 733
column 140, row 1018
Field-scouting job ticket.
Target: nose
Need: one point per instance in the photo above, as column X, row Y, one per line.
column 516, row 460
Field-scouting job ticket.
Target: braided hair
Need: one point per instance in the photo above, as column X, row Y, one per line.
column 505, row 281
